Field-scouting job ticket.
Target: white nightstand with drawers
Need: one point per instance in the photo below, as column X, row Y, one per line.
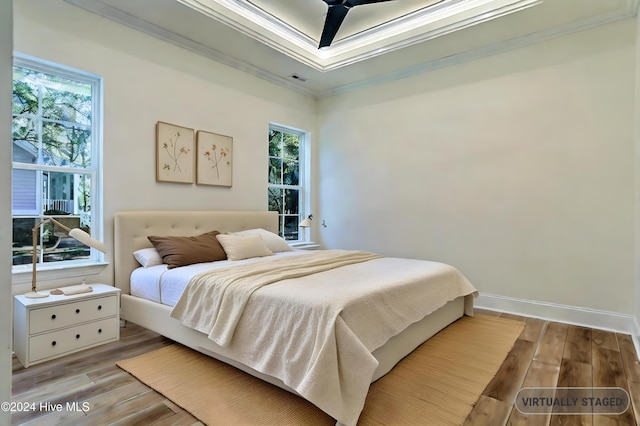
column 58, row 325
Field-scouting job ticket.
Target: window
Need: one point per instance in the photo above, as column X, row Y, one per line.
column 56, row 159
column 287, row 181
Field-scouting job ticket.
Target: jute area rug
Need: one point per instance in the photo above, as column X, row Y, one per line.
column 437, row 384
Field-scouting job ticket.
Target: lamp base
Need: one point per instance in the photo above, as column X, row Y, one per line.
column 35, row 295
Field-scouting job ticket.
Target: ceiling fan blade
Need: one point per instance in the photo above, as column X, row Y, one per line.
column 335, row 17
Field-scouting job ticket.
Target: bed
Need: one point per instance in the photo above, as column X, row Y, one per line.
column 353, row 352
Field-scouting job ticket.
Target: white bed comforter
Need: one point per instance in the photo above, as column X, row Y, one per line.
column 316, row 332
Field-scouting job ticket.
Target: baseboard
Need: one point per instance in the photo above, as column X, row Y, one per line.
column 636, row 337
column 592, row 318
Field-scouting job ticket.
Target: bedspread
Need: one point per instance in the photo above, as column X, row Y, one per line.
column 227, row 290
column 316, row 332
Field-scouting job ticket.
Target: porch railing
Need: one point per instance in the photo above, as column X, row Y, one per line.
column 62, row 205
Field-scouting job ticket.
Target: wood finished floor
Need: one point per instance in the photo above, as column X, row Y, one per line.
column 546, row 354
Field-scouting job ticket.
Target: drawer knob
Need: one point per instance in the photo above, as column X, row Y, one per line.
column 53, row 316
column 53, row 343
column 99, row 330
column 99, row 307
column 77, row 336
column 77, row 311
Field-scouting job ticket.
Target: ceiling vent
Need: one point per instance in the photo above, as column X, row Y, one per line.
column 297, row 78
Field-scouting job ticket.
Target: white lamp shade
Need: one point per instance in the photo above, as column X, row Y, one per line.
column 86, row 239
column 305, row 223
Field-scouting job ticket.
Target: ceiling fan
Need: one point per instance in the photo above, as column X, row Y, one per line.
column 337, row 12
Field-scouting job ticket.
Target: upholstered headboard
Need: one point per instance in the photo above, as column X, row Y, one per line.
column 131, row 229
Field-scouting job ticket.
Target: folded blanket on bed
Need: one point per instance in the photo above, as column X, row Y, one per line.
column 317, row 333
column 229, row 289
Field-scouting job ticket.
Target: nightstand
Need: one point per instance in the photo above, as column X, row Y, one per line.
column 58, row 325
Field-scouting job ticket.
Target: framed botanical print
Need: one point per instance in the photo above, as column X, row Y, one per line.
column 214, row 159
column 174, row 153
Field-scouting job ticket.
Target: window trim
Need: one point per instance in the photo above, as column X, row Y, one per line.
column 94, row 265
column 304, row 183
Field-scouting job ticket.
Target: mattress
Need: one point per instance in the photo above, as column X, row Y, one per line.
column 163, row 285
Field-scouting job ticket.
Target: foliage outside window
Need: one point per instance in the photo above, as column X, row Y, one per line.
column 286, row 179
column 55, row 159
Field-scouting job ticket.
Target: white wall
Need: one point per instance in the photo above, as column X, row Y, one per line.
column 637, row 182
column 147, row 80
column 517, row 168
column 6, row 234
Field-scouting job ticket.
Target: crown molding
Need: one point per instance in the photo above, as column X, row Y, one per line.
column 423, row 24
column 155, row 31
column 627, row 9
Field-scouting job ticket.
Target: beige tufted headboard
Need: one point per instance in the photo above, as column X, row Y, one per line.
column 131, row 229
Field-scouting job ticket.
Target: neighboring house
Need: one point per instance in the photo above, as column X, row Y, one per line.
column 56, row 189
column 56, row 199
column 24, row 181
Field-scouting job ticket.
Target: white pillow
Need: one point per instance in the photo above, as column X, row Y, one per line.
column 148, row 257
column 240, row 247
column 274, row 242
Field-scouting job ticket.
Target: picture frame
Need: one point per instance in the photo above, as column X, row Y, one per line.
column 214, row 159
column 175, row 154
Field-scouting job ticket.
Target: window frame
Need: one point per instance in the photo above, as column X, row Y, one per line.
column 96, row 263
column 303, row 187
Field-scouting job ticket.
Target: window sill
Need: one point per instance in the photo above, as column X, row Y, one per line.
column 305, row 245
column 22, row 274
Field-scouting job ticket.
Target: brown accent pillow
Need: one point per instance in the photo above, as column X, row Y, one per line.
column 181, row 251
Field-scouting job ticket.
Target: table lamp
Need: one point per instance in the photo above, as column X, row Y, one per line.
column 306, row 223
column 75, row 233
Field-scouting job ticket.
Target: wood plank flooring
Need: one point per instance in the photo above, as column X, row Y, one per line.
column 551, row 354
column 546, row 354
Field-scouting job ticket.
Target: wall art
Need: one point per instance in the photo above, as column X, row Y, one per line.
column 174, row 153
column 214, row 159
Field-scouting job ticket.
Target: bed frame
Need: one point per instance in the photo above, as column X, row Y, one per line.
column 131, row 230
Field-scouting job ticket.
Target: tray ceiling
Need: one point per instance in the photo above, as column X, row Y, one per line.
column 278, row 39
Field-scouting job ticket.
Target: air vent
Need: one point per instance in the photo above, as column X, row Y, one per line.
column 297, row 78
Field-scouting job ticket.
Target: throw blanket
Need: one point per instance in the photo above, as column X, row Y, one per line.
column 229, row 289
column 317, row 333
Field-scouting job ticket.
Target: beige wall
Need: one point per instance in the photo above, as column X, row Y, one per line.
column 147, row 80
column 6, row 303
column 517, row 168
